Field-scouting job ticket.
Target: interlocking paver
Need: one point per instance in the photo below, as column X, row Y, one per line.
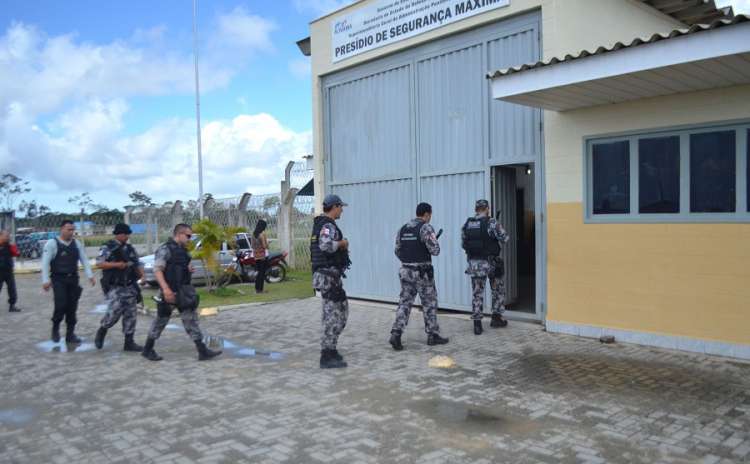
column 517, row 395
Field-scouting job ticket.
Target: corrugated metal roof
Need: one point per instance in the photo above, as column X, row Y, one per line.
column 696, row 28
column 691, row 11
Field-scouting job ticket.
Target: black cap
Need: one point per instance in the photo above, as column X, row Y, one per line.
column 333, row 200
column 122, row 229
column 482, row 204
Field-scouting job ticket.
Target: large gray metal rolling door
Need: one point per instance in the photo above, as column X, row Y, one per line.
column 420, row 126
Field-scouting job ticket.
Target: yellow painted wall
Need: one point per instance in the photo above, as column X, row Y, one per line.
column 688, row 280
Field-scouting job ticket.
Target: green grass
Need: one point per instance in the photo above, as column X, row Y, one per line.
column 297, row 285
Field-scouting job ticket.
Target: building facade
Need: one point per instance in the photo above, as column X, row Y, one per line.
column 404, row 111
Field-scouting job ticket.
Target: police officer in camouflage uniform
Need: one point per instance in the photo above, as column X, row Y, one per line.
column 329, row 252
column 482, row 237
column 173, row 271
column 416, row 244
column 121, row 271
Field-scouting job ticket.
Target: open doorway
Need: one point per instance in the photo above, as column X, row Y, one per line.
column 514, row 203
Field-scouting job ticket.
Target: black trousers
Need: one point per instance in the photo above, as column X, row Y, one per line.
column 66, row 294
column 261, row 266
column 7, row 277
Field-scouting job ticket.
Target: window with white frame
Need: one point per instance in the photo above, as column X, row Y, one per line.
column 686, row 175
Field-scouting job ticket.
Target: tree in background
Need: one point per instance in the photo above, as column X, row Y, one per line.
column 85, row 203
column 140, row 199
column 11, row 187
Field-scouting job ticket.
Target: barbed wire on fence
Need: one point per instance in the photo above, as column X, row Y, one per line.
column 152, row 225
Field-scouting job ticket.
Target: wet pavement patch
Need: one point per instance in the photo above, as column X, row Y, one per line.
column 481, row 418
column 233, row 349
column 99, row 309
column 590, row 372
column 16, row 416
column 51, row 347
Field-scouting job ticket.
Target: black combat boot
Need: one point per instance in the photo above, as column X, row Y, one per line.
column 99, row 339
column 14, row 309
column 328, row 361
column 436, row 339
column 478, row 328
column 395, row 340
column 498, row 321
column 148, row 350
column 130, row 344
column 71, row 337
column 55, row 332
column 336, row 355
column 204, row 353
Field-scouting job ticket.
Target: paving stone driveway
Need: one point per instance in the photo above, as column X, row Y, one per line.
column 517, row 395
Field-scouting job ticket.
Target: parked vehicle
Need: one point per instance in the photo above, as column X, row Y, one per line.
column 31, row 244
column 200, row 275
column 277, row 266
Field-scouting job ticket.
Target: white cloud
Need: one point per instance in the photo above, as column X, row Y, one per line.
column 300, row 67
column 63, row 103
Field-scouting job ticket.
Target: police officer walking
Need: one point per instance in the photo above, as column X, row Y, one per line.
column 329, row 252
column 482, row 237
column 121, row 268
column 8, row 251
column 173, row 271
column 416, row 244
column 60, row 260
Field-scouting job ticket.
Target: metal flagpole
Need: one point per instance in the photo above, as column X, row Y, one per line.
column 198, row 107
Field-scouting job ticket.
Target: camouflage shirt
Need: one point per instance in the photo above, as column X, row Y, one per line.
column 106, row 251
column 327, row 240
column 426, row 236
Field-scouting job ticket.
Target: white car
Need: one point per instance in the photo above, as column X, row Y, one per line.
column 199, row 276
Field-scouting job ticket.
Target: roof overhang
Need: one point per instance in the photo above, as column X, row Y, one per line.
column 701, row 58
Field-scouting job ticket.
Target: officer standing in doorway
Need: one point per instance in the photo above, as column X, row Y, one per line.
column 121, row 268
column 60, row 260
column 173, row 271
column 8, row 251
column 329, row 252
column 416, row 244
column 482, row 237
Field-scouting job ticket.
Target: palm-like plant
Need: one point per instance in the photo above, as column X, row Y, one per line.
column 212, row 236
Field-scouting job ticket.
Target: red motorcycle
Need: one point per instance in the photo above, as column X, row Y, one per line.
column 277, row 266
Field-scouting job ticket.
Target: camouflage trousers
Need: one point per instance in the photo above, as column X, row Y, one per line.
column 480, row 271
column 335, row 307
column 417, row 282
column 189, row 321
column 121, row 302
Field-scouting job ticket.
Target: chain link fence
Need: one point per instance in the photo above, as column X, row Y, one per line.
column 152, row 225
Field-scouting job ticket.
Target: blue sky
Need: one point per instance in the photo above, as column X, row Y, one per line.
column 97, row 96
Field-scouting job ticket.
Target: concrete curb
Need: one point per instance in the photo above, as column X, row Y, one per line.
column 215, row 310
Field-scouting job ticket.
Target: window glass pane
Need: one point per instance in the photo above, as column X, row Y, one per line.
column 611, row 177
column 659, row 175
column 712, row 172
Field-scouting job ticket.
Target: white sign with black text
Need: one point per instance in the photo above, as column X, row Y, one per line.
column 387, row 21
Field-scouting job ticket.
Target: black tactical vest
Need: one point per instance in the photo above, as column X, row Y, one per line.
column 477, row 242
column 119, row 277
column 177, row 271
column 412, row 249
column 6, row 259
column 66, row 259
column 321, row 259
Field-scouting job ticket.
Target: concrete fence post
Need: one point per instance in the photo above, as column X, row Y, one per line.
column 150, row 230
column 286, row 211
column 128, row 214
column 176, row 215
column 242, row 211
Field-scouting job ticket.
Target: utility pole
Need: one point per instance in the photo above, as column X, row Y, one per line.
column 198, row 107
